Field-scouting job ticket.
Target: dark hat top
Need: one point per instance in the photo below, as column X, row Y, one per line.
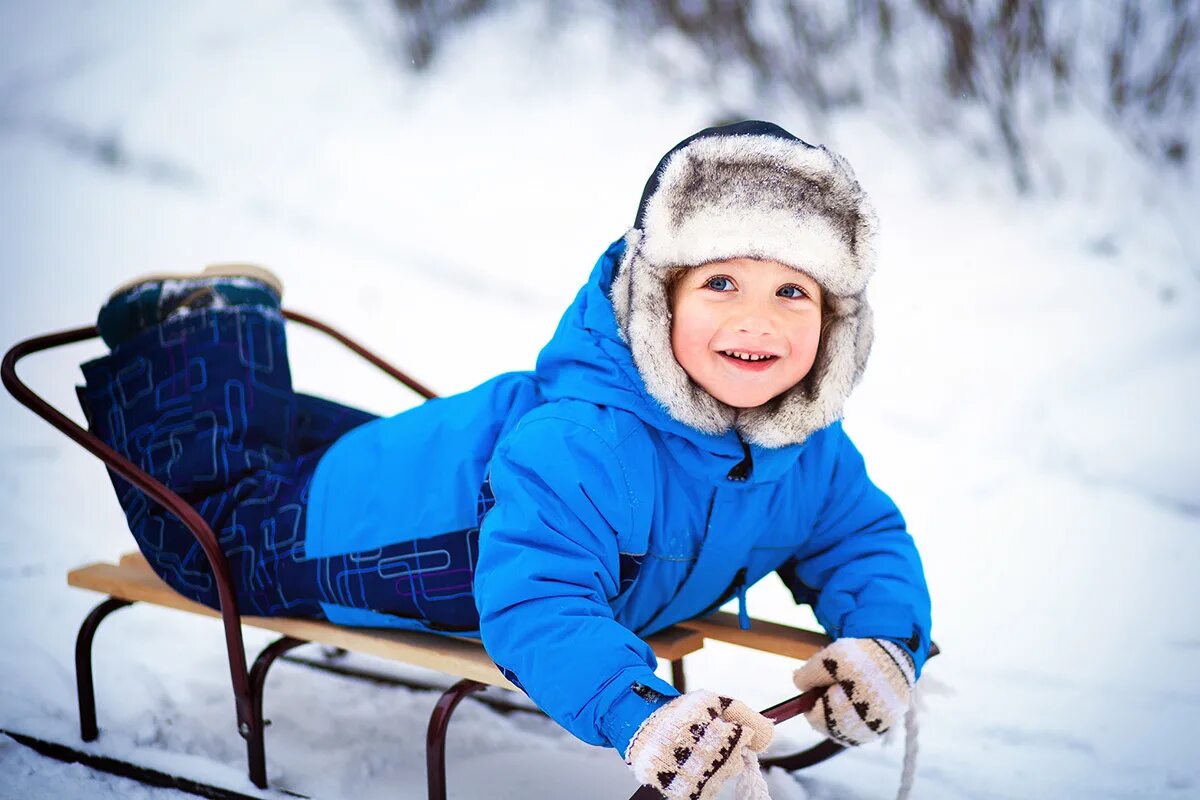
column 749, row 127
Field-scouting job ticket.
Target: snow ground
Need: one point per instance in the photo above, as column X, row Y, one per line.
column 1030, row 401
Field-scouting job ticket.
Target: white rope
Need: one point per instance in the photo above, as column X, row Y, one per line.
column 753, row 786
column 751, row 783
column 908, row 775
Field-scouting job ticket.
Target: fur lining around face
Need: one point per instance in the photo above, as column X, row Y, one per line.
column 752, row 197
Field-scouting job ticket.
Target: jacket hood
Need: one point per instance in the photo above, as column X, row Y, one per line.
column 588, row 359
column 750, row 190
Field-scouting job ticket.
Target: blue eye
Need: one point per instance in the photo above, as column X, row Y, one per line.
column 792, row 291
column 719, row 283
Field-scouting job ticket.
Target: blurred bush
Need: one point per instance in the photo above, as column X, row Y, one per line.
column 989, row 69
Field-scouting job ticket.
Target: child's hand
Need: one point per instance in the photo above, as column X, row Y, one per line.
column 692, row 745
column 870, row 686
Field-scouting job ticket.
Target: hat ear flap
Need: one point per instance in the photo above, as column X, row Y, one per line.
column 621, row 292
column 643, row 313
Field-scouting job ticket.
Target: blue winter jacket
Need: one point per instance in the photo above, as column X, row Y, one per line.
column 602, row 520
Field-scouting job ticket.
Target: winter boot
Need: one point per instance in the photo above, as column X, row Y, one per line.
column 146, row 301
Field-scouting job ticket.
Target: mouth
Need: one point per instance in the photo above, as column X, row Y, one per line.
column 747, row 360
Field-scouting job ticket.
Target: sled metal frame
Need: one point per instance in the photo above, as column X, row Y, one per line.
column 248, row 684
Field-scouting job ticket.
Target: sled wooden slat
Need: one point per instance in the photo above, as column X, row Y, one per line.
column 135, row 560
column 769, row 637
column 133, row 579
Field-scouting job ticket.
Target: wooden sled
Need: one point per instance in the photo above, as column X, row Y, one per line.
column 131, row 580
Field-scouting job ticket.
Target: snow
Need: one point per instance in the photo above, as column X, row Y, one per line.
column 1029, row 402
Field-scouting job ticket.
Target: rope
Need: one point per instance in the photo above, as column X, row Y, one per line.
column 751, row 783
column 908, row 774
column 753, row 786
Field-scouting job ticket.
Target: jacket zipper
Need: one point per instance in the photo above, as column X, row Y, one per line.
column 741, row 471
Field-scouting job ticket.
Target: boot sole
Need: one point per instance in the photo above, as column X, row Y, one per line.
column 252, row 271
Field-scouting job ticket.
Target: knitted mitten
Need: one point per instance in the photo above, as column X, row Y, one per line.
column 870, row 685
column 693, row 744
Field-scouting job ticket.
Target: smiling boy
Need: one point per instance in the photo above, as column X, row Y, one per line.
column 679, row 440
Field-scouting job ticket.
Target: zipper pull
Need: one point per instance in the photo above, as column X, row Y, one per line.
column 741, row 471
column 743, row 614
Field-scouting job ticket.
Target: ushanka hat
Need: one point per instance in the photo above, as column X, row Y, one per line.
column 751, row 190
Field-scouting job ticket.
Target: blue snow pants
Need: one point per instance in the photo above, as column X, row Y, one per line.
column 204, row 403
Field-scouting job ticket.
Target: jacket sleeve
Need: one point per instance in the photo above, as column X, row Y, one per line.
column 861, row 562
column 549, row 565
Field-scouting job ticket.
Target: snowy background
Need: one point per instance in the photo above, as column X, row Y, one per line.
column 1030, row 402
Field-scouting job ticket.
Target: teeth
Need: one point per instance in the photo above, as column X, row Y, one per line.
column 745, row 356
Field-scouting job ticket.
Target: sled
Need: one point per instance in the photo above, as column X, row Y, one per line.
column 131, row 580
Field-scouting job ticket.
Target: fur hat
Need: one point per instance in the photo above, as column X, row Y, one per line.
column 751, row 190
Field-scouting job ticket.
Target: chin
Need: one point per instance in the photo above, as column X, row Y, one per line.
column 743, row 400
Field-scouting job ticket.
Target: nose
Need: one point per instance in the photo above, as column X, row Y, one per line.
column 754, row 318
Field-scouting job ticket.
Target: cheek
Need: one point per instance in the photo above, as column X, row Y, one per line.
column 806, row 340
column 689, row 339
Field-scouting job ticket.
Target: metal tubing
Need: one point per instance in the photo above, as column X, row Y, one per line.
column 435, row 739
column 800, row 704
column 88, row 730
column 155, row 490
column 362, row 351
column 230, row 614
column 256, row 752
column 678, row 678
column 823, row 751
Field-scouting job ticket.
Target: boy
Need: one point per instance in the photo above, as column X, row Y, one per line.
column 679, row 439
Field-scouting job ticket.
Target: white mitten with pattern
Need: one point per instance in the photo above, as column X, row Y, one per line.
column 693, row 744
column 870, row 686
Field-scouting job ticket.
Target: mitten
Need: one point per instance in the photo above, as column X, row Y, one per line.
column 870, row 685
column 693, row 744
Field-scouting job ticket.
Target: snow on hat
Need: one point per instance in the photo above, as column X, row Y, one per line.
column 751, row 190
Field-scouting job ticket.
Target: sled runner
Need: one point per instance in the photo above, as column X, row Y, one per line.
column 131, row 580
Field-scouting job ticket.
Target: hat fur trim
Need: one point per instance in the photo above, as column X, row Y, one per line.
column 759, row 197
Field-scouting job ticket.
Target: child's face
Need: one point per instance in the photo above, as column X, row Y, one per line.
column 749, row 308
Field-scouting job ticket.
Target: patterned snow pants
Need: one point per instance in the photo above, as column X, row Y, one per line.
column 204, row 403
